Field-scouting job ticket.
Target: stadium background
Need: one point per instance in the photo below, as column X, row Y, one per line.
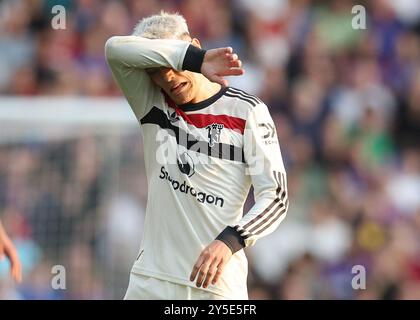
column 347, row 108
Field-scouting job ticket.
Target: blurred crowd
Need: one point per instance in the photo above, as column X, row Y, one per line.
column 346, row 103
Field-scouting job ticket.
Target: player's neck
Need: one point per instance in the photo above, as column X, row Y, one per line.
column 206, row 89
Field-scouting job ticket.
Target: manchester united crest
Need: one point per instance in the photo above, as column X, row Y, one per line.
column 214, row 132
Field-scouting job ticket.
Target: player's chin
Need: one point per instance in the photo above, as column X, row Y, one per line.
column 181, row 99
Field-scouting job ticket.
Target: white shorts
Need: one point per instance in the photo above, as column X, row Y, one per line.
column 147, row 288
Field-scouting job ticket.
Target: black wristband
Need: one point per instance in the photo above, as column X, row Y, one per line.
column 193, row 59
column 232, row 239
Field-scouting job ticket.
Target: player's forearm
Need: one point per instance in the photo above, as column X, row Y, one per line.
column 263, row 218
column 138, row 52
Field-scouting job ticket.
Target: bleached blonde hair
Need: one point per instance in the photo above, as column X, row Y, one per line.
column 162, row 26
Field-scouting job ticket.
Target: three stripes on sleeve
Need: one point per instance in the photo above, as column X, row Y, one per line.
column 270, row 214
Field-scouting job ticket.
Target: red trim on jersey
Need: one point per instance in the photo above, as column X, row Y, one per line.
column 201, row 120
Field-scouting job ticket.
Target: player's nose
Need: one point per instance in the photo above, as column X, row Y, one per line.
column 167, row 74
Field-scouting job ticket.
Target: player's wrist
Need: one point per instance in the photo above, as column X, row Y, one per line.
column 193, row 59
column 231, row 237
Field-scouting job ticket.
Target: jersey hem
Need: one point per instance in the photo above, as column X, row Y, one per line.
column 170, row 278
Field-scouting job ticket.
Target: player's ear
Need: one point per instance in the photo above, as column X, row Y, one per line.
column 196, row 43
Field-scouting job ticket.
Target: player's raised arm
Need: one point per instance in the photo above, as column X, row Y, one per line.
column 130, row 56
column 133, row 58
column 142, row 53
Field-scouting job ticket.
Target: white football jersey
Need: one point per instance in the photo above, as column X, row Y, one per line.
column 201, row 160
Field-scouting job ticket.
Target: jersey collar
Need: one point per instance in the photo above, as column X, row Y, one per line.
column 203, row 104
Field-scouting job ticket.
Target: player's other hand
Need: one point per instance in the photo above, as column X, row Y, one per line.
column 8, row 249
column 210, row 263
column 219, row 63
